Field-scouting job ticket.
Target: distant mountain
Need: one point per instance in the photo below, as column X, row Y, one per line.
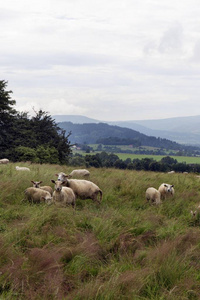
column 77, row 119
column 92, row 133
column 183, row 130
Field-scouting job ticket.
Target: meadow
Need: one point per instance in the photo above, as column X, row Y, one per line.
column 124, row 156
column 124, row 248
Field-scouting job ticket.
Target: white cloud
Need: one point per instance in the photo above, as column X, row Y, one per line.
column 105, row 59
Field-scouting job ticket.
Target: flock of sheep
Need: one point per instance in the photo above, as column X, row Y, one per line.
column 155, row 196
column 66, row 190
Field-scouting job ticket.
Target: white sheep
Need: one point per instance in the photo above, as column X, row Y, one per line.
column 35, row 195
column 195, row 212
column 171, row 172
column 83, row 189
column 166, row 190
column 153, row 195
column 4, row 161
column 63, row 195
column 47, row 188
column 79, row 173
column 22, row 168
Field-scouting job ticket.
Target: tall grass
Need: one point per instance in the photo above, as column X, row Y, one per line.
column 122, row 249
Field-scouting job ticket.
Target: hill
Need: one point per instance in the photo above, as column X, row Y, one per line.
column 95, row 133
column 77, row 119
column 183, row 130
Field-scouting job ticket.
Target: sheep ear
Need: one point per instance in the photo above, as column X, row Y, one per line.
column 56, row 174
column 53, row 181
column 40, row 182
column 172, row 185
column 63, row 182
column 32, row 181
column 165, row 185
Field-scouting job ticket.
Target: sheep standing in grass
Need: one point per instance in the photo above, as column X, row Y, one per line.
column 4, row 161
column 196, row 212
column 79, row 173
column 63, row 195
column 22, row 168
column 166, row 190
column 47, row 188
column 83, row 189
column 35, row 195
column 153, row 195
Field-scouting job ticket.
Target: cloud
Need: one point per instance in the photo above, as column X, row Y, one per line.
column 105, row 59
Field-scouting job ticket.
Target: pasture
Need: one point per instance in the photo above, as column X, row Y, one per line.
column 124, row 156
column 121, row 249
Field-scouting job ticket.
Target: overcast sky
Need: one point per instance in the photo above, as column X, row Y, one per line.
column 104, row 59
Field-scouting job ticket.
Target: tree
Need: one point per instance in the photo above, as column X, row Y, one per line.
column 7, row 115
column 22, row 137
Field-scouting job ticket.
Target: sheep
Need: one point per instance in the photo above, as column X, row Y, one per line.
column 35, row 195
column 22, row 168
column 83, row 189
column 166, row 190
column 196, row 212
column 153, row 195
column 47, row 188
column 79, row 173
column 63, row 195
column 4, row 161
column 171, row 172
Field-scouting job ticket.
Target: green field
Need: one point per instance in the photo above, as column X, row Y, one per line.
column 123, row 248
column 124, row 156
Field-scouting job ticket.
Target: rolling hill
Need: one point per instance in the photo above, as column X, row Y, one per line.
column 92, row 133
column 183, row 130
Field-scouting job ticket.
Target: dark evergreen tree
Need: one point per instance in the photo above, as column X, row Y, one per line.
column 7, row 116
column 38, row 138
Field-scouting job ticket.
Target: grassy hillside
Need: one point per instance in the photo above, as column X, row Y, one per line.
column 122, row 249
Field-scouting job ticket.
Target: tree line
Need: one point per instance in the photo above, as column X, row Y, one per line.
column 24, row 138
column 111, row 160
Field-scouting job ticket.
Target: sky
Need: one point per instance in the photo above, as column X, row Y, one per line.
column 109, row 60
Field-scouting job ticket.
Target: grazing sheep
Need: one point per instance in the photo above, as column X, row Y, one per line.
column 171, row 172
column 83, row 189
column 63, row 195
column 47, row 188
column 4, row 161
column 195, row 212
column 35, row 195
column 22, row 168
column 153, row 195
column 166, row 190
column 79, row 173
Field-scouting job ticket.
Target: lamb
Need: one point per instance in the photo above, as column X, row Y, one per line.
column 35, row 195
column 47, row 188
column 153, row 195
column 22, row 168
column 196, row 212
column 166, row 190
column 79, row 173
column 63, row 195
column 83, row 189
column 4, row 161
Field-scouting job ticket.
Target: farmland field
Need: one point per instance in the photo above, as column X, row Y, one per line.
column 124, row 156
column 123, row 248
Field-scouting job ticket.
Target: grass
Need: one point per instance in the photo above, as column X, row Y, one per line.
column 122, row 249
column 124, row 156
